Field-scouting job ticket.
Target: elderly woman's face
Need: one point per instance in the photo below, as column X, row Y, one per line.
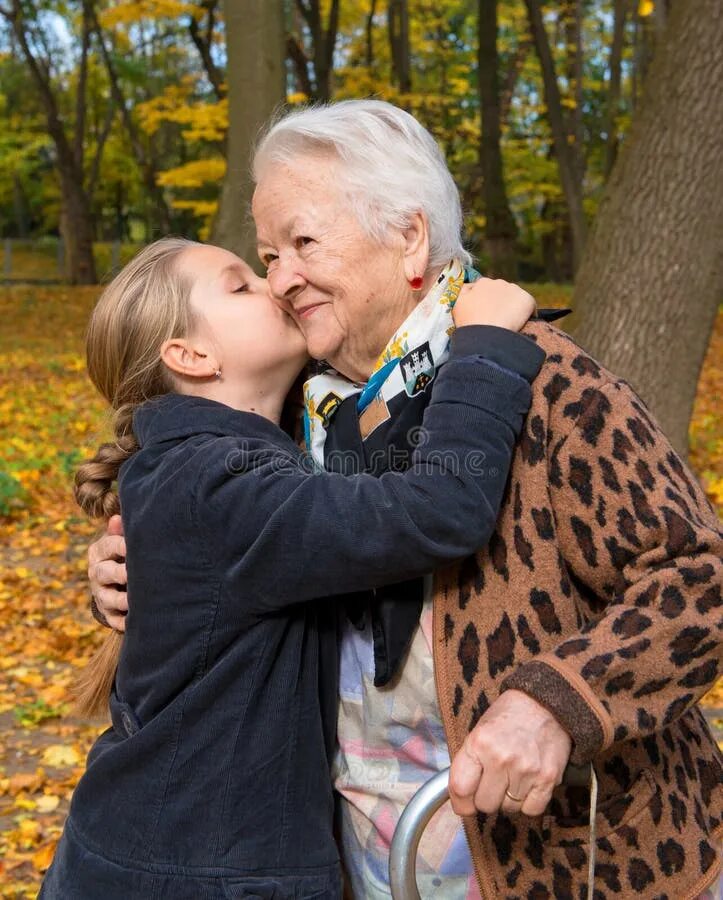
column 347, row 292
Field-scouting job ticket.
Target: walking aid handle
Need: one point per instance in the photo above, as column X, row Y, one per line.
column 412, row 822
column 415, row 818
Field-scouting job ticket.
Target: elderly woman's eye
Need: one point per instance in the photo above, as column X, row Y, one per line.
column 303, row 240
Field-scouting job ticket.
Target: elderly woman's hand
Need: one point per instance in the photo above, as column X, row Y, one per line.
column 107, row 574
column 492, row 301
column 511, row 760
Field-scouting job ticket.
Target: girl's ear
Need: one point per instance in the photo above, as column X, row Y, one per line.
column 416, row 246
column 184, row 357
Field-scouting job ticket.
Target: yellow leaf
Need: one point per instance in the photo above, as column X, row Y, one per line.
column 58, row 755
column 44, row 856
column 47, row 803
column 22, row 801
column 645, row 8
column 29, row 830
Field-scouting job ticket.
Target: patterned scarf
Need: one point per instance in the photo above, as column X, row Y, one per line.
column 372, row 427
column 405, row 368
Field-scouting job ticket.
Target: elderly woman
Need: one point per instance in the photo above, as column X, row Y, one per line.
column 588, row 628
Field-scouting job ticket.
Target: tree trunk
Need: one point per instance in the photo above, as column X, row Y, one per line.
column 369, row 35
column 398, row 27
column 500, row 227
column 323, row 42
column 620, row 13
column 649, row 286
column 572, row 17
column 77, row 214
column 76, row 230
column 566, row 155
column 296, row 54
column 203, row 41
column 324, row 45
column 256, row 86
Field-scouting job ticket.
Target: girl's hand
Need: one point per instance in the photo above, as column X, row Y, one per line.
column 492, row 301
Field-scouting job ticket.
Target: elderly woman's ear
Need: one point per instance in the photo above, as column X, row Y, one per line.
column 416, row 248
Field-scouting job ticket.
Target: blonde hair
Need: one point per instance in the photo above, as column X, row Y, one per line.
column 146, row 304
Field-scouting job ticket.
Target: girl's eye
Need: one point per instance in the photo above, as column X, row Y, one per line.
column 240, row 290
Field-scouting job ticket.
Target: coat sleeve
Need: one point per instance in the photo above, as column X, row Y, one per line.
column 296, row 535
column 644, row 547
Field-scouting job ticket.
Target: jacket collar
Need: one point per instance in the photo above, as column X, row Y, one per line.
column 178, row 416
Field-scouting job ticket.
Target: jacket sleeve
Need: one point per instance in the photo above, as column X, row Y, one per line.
column 296, row 534
column 641, row 540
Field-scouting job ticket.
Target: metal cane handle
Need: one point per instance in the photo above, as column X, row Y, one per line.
column 412, row 822
column 415, row 818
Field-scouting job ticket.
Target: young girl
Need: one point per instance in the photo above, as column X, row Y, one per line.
column 213, row 781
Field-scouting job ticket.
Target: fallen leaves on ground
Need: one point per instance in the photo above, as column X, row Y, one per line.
column 50, row 419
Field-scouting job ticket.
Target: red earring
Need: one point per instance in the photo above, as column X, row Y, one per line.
column 416, row 282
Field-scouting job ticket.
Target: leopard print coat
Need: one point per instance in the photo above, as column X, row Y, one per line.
column 600, row 596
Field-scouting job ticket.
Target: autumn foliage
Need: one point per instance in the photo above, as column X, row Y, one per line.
column 50, row 418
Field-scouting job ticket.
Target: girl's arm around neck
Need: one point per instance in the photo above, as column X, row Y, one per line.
column 288, row 535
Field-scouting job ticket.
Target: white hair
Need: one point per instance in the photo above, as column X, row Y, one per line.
column 391, row 167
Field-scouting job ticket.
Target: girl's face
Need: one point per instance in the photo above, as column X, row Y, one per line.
column 250, row 334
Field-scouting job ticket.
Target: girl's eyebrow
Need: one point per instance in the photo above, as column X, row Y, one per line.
column 234, row 268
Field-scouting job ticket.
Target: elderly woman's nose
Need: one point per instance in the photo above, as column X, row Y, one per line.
column 285, row 282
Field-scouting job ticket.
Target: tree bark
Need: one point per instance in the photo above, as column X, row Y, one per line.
column 203, row 41
column 648, row 288
column 298, row 57
column 620, row 14
column 369, row 35
column 76, row 210
column 566, row 155
column 500, row 226
column 398, row 28
column 76, row 229
column 572, row 18
column 256, row 87
column 323, row 42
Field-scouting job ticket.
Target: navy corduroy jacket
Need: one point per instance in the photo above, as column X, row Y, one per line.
column 216, row 768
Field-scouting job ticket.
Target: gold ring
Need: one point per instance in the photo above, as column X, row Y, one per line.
column 516, row 799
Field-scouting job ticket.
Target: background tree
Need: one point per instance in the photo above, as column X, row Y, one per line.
column 651, row 280
column 256, row 86
column 313, row 48
column 398, row 29
column 42, row 55
column 567, row 152
column 143, row 154
column 621, row 9
column 500, row 226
